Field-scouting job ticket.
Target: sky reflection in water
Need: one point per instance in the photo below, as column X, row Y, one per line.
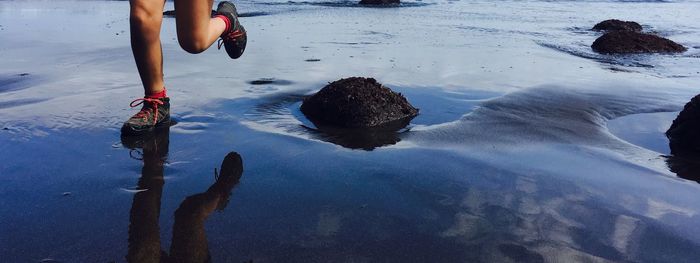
column 522, row 152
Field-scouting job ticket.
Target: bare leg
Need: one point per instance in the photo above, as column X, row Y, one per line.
column 145, row 20
column 196, row 30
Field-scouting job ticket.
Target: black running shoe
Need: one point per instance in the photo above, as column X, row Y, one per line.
column 235, row 39
column 154, row 113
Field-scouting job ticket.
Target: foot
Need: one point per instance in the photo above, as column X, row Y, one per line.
column 154, row 113
column 235, row 39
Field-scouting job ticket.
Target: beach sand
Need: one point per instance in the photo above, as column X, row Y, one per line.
column 529, row 147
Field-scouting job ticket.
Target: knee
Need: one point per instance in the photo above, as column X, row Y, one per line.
column 145, row 17
column 192, row 44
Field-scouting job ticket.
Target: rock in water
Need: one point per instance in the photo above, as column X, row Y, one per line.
column 357, row 102
column 379, row 2
column 614, row 24
column 626, row 42
column 684, row 142
column 684, row 133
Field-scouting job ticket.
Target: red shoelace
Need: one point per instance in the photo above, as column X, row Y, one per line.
column 230, row 36
column 143, row 113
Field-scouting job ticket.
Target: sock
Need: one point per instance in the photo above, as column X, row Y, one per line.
column 157, row 95
column 226, row 21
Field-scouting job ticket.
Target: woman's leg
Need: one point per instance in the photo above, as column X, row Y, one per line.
column 145, row 21
column 196, row 29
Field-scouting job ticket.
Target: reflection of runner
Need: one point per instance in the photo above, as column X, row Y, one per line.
column 196, row 31
column 144, row 233
column 189, row 242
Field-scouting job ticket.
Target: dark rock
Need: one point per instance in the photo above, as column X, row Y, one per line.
column 253, row 14
column 626, row 42
column 683, row 133
column 357, row 102
column 615, row 25
column 171, row 13
column 379, row 2
column 270, row 81
column 685, row 142
column 358, row 113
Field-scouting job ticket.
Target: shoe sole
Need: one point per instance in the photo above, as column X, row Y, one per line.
column 131, row 132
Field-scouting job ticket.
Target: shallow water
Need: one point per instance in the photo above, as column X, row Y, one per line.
column 529, row 146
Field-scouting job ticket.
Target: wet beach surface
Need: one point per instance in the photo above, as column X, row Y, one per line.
column 529, row 147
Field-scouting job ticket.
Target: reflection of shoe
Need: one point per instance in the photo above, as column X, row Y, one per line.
column 235, row 39
column 154, row 145
column 231, row 171
column 154, row 113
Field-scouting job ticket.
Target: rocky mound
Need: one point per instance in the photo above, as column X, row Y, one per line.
column 618, row 25
column 357, row 102
column 684, row 133
column 685, row 142
column 626, row 42
column 379, row 2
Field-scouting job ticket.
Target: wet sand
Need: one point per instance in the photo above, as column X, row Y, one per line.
column 529, row 147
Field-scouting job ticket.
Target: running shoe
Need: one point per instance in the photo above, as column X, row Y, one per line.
column 235, row 39
column 154, row 113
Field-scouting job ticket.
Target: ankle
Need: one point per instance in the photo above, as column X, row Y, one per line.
column 156, row 95
column 226, row 20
